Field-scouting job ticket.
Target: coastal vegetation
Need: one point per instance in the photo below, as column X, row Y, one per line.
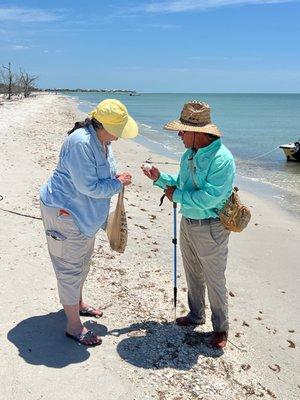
column 22, row 84
column 91, row 90
column 16, row 84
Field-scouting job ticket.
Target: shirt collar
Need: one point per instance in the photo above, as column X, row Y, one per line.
column 92, row 131
column 208, row 150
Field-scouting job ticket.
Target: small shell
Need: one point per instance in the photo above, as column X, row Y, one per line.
column 146, row 167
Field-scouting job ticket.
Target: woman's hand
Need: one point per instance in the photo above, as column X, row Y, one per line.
column 124, row 178
column 152, row 173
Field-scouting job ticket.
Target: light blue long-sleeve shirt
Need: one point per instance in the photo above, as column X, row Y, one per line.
column 84, row 181
column 204, row 182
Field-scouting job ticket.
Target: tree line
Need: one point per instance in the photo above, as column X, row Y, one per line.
column 15, row 84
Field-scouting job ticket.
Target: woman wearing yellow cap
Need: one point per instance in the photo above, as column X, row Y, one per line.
column 75, row 205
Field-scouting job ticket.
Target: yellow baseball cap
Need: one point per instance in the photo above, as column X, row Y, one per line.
column 114, row 117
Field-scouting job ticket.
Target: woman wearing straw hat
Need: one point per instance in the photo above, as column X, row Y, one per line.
column 203, row 185
column 75, row 205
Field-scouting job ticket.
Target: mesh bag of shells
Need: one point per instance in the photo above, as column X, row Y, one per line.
column 235, row 216
column 116, row 228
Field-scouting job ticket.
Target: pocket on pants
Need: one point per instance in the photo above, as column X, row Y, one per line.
column 55, row 242
column 218, row 233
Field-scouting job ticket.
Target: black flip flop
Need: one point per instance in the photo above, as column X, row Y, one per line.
column 81, row 337
column 88, row 312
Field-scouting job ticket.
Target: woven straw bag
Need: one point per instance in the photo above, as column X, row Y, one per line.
column 116, row 228
column 234, row 215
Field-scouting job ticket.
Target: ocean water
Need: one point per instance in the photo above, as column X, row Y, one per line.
column 253, row 125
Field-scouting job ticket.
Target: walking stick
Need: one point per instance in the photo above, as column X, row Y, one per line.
column 174, row 241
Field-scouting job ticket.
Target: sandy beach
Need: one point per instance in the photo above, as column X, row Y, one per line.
column 144, row 355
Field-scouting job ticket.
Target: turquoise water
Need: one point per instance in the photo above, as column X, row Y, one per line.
column 254, row 126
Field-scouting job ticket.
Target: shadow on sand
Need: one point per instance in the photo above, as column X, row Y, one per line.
column 41, row 341
column 157, row 345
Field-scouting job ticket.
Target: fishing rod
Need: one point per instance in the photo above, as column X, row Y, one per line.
column 148, row 161
column 17, row 213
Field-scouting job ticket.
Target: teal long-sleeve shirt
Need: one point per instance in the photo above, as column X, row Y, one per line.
column 204, row 182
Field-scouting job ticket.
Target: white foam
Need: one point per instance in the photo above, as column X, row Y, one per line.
column 146, row 126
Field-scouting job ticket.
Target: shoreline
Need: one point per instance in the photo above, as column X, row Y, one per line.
column 267, row 190
column 260, row 189
column 143, row 355
column 285, row 198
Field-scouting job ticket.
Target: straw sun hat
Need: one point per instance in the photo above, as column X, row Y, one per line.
column 195, row 117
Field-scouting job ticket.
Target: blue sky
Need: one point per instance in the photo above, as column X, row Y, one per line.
column 155, row 46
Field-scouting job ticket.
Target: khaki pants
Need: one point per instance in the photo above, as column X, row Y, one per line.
column 70, row 252
column 204, row 248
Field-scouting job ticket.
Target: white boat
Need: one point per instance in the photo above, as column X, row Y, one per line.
column 292, row 151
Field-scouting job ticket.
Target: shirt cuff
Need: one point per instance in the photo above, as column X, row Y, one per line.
column 159, row 182
column 119, row 185
column 177, row 196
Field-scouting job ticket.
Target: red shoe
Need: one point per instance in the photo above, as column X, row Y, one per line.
column 219, row 339
column 185, row 321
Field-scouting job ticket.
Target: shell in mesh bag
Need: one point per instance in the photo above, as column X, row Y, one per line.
column 116, row 228
column 234, row 215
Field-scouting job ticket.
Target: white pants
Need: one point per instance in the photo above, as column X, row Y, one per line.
column 204, row 248
column 70, row 253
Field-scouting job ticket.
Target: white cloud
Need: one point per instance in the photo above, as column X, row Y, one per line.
column 162, row 26
column 190, row 5
column 57, row 51
column 208, row 58
column 19, row 47
column 26, row 15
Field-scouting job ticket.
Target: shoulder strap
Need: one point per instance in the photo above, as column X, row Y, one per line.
column 192, row 169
